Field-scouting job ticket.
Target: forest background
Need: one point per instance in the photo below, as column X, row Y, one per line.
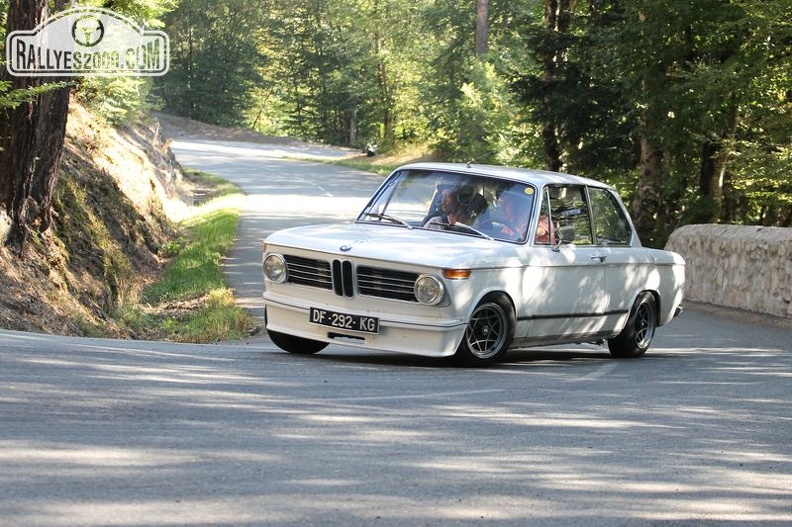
column 684, row 105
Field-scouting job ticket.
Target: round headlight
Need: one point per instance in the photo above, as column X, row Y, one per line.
column 429, row 290
column 275, row 268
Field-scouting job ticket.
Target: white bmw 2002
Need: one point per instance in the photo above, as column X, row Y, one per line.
column 471, row 261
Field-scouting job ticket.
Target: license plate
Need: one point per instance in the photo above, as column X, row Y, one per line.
column 344, row 321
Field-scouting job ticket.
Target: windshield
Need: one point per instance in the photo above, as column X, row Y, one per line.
column 459, row 203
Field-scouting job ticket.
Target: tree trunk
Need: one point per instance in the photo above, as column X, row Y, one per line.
column 31, row 141
column 558, row 17
column 482, row 27
column 386, row 95
column 388, row 128
column 647, row 208
column 712, row 171
column 552, row 150
column 352, row 123
column 53, row 112
column 710, row 182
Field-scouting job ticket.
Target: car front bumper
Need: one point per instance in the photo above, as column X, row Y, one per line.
column 429, row 336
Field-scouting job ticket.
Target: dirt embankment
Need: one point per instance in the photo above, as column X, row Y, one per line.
column 179, row 127
column 118, row 195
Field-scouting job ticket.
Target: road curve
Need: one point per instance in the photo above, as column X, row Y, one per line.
column 123, row 433
column 280, row 192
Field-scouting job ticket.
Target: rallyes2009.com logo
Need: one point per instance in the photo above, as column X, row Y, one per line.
column 87, row 41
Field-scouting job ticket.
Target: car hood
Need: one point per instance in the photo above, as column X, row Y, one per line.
column 398, row 244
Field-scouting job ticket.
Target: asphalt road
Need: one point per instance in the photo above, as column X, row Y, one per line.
column 121, row 433
column 280, row 192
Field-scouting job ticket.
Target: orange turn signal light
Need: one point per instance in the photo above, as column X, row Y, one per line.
column 456, row 274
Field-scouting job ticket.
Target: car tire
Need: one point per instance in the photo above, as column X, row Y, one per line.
column 637, row 335
column 488, row 334
column 298, row 345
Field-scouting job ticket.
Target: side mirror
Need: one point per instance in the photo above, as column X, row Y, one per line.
column 565, row 234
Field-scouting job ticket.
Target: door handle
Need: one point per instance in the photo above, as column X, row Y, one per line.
column 600, row 257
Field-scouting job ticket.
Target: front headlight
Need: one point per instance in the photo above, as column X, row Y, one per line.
column 275, row 268
column 429, row 290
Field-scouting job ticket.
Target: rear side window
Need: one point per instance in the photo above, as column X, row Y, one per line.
column 567, row 209
column 610, row 225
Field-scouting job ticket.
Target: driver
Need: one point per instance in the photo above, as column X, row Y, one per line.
column 514, row 209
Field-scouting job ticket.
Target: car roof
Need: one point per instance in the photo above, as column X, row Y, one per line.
column 524, row 175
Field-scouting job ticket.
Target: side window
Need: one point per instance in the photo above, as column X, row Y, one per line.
column 569, row 218
column 610, row 225
column 544, row 229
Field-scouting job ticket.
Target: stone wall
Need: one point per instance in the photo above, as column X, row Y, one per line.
column 745, row 267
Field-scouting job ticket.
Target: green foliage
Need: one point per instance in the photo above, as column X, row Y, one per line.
column 706, row 84
column 192, row 303
column 479, row 125
column 474, row 112
column 144, row 12
column 340, row 72
column 10, row 98
column 117, row 99
column 123, row 99
column 304, row 70
column 214, row 60
column 196, row 269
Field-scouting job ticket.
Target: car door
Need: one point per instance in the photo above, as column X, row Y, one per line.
column 565, row 283
column 626, row 266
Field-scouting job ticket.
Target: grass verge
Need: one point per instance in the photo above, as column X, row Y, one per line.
column 192, row 302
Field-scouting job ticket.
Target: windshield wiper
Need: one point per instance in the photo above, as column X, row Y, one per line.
column 388, row 218
column 461, row 227
column 473, row 230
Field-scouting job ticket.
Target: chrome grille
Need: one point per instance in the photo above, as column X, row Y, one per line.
column 309, row 272
column 386, row 283
column 339, row 276
column 342, row 278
